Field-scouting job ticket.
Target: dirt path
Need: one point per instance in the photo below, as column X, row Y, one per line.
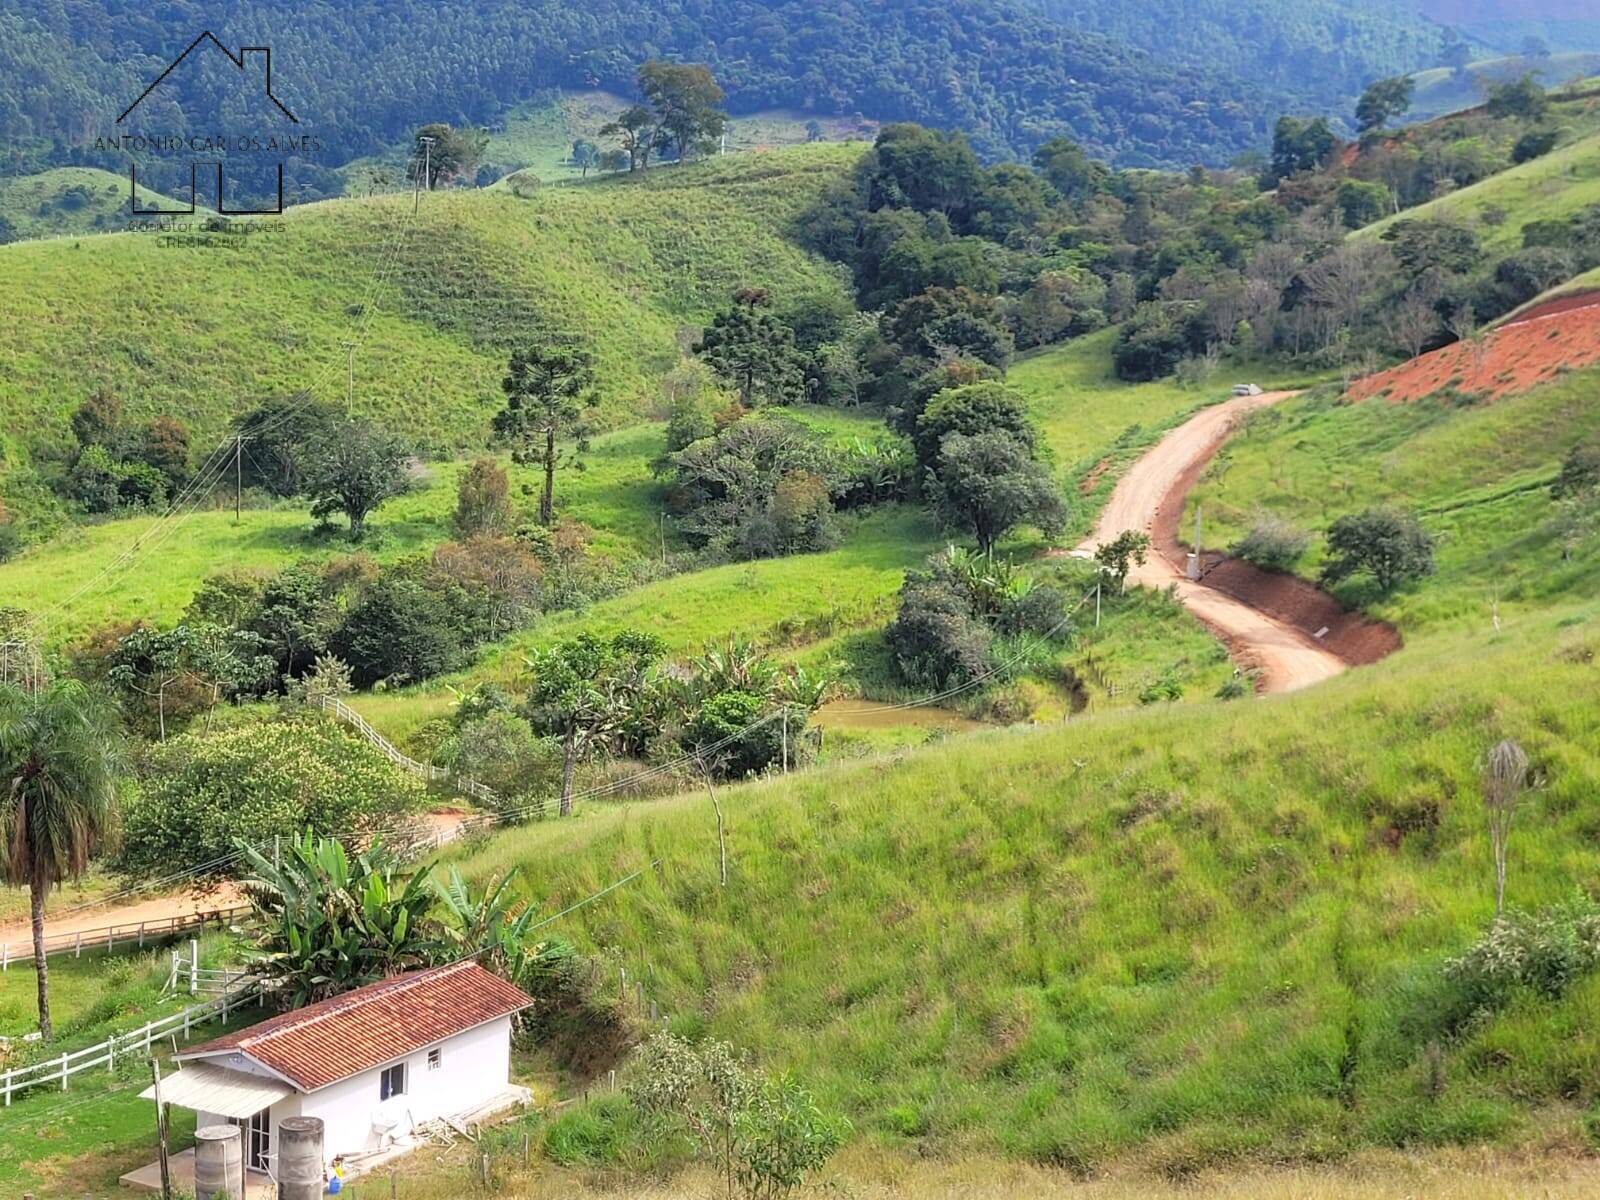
column 181, row 904
column 156, row 908
column 1286, row 658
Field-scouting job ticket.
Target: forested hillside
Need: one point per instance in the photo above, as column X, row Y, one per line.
column 361, row 87
column 1311, row 54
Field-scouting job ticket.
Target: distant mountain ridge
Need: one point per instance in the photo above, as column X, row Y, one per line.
column 1005, row 71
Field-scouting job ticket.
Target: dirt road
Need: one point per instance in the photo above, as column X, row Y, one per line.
column 1286, row 658
column 154, row 909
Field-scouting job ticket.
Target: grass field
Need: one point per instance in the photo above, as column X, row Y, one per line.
column 1190, row 940
column 1478, row 476
column 614, row 493
column 71, row 200
column 624, row 265
column 1559, row 184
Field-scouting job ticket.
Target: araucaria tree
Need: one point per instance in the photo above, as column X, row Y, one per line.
column 754, row 351
column 548, row 390
column 60, row 766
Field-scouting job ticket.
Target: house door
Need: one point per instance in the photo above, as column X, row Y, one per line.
column 257, row 1134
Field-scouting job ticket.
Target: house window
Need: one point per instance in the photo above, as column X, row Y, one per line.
column 392, row 1082
column 433, row 1059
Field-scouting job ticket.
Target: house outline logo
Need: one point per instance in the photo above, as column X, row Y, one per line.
column 238, row 60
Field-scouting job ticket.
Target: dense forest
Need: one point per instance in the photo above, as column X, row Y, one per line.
column 1307, row 54
column 1003, row 71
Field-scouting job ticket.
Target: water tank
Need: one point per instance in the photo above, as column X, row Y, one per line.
column 300, row 1158
column 218, row 1163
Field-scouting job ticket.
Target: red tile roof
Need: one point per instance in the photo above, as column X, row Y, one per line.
column 334, row 1039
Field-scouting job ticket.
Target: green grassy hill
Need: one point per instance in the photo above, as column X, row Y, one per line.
column 1440, row 90
column 623, row 264
column 71, row 200
column 1557, row 185
column 1184, row 939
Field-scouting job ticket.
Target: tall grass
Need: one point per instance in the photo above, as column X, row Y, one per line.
column 1187, row 939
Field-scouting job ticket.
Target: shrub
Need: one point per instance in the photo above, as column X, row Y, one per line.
column 500, row 750
column 1390, row 546
column 1545, row 951
column 1534, row 145
column 255, row 782
column 935, row 638
column 1272, row 544
column 483, row 500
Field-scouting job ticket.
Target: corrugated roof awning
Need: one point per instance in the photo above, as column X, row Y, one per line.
column 206, row 1088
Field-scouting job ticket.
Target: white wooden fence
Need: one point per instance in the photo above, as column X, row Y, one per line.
column 425, row 771
column 115, row 1049
column 109, row 937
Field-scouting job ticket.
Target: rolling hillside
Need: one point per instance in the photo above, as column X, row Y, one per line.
column 1559, row 184
column 1476, row 472
column 1186, row 938
column 622, row 264
column 1440, row 90
column 1178, row 939
column 71, row 200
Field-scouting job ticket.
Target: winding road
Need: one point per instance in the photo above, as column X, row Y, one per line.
column 1286, row 658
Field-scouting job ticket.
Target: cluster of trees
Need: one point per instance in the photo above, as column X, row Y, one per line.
column 249, row 634
column 681, row 116
column 725, row 714
column 962, row 262
column 344, row 465
column 119, row 464
column 961, row 618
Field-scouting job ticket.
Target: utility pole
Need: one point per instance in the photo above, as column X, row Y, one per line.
column 161, row 1132
column 1194, row 559
column 427, row 173
column 786, row 739
column 238, row 475
column 1097, row 585
column 350, row 390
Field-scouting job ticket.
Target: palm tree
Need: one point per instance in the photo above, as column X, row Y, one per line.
column 60, row 765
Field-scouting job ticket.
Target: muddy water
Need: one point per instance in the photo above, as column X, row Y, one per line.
column 869, row 714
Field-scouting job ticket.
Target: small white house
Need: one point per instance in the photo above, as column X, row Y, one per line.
column 373, row 1063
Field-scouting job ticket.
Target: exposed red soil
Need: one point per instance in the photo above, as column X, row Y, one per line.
column 1356, row 640
column 1530, row 350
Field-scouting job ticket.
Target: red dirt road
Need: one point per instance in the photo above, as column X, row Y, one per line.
column 1286, row 658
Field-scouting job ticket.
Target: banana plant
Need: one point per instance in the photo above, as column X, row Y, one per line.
column 332, row 921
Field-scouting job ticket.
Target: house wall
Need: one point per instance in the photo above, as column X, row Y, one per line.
column 474, row 1066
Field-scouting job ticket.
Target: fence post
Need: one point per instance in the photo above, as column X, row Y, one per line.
column 5, row 956
column 110, row 936
column 194, row 965
column 141, row 935
column 77, row 945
